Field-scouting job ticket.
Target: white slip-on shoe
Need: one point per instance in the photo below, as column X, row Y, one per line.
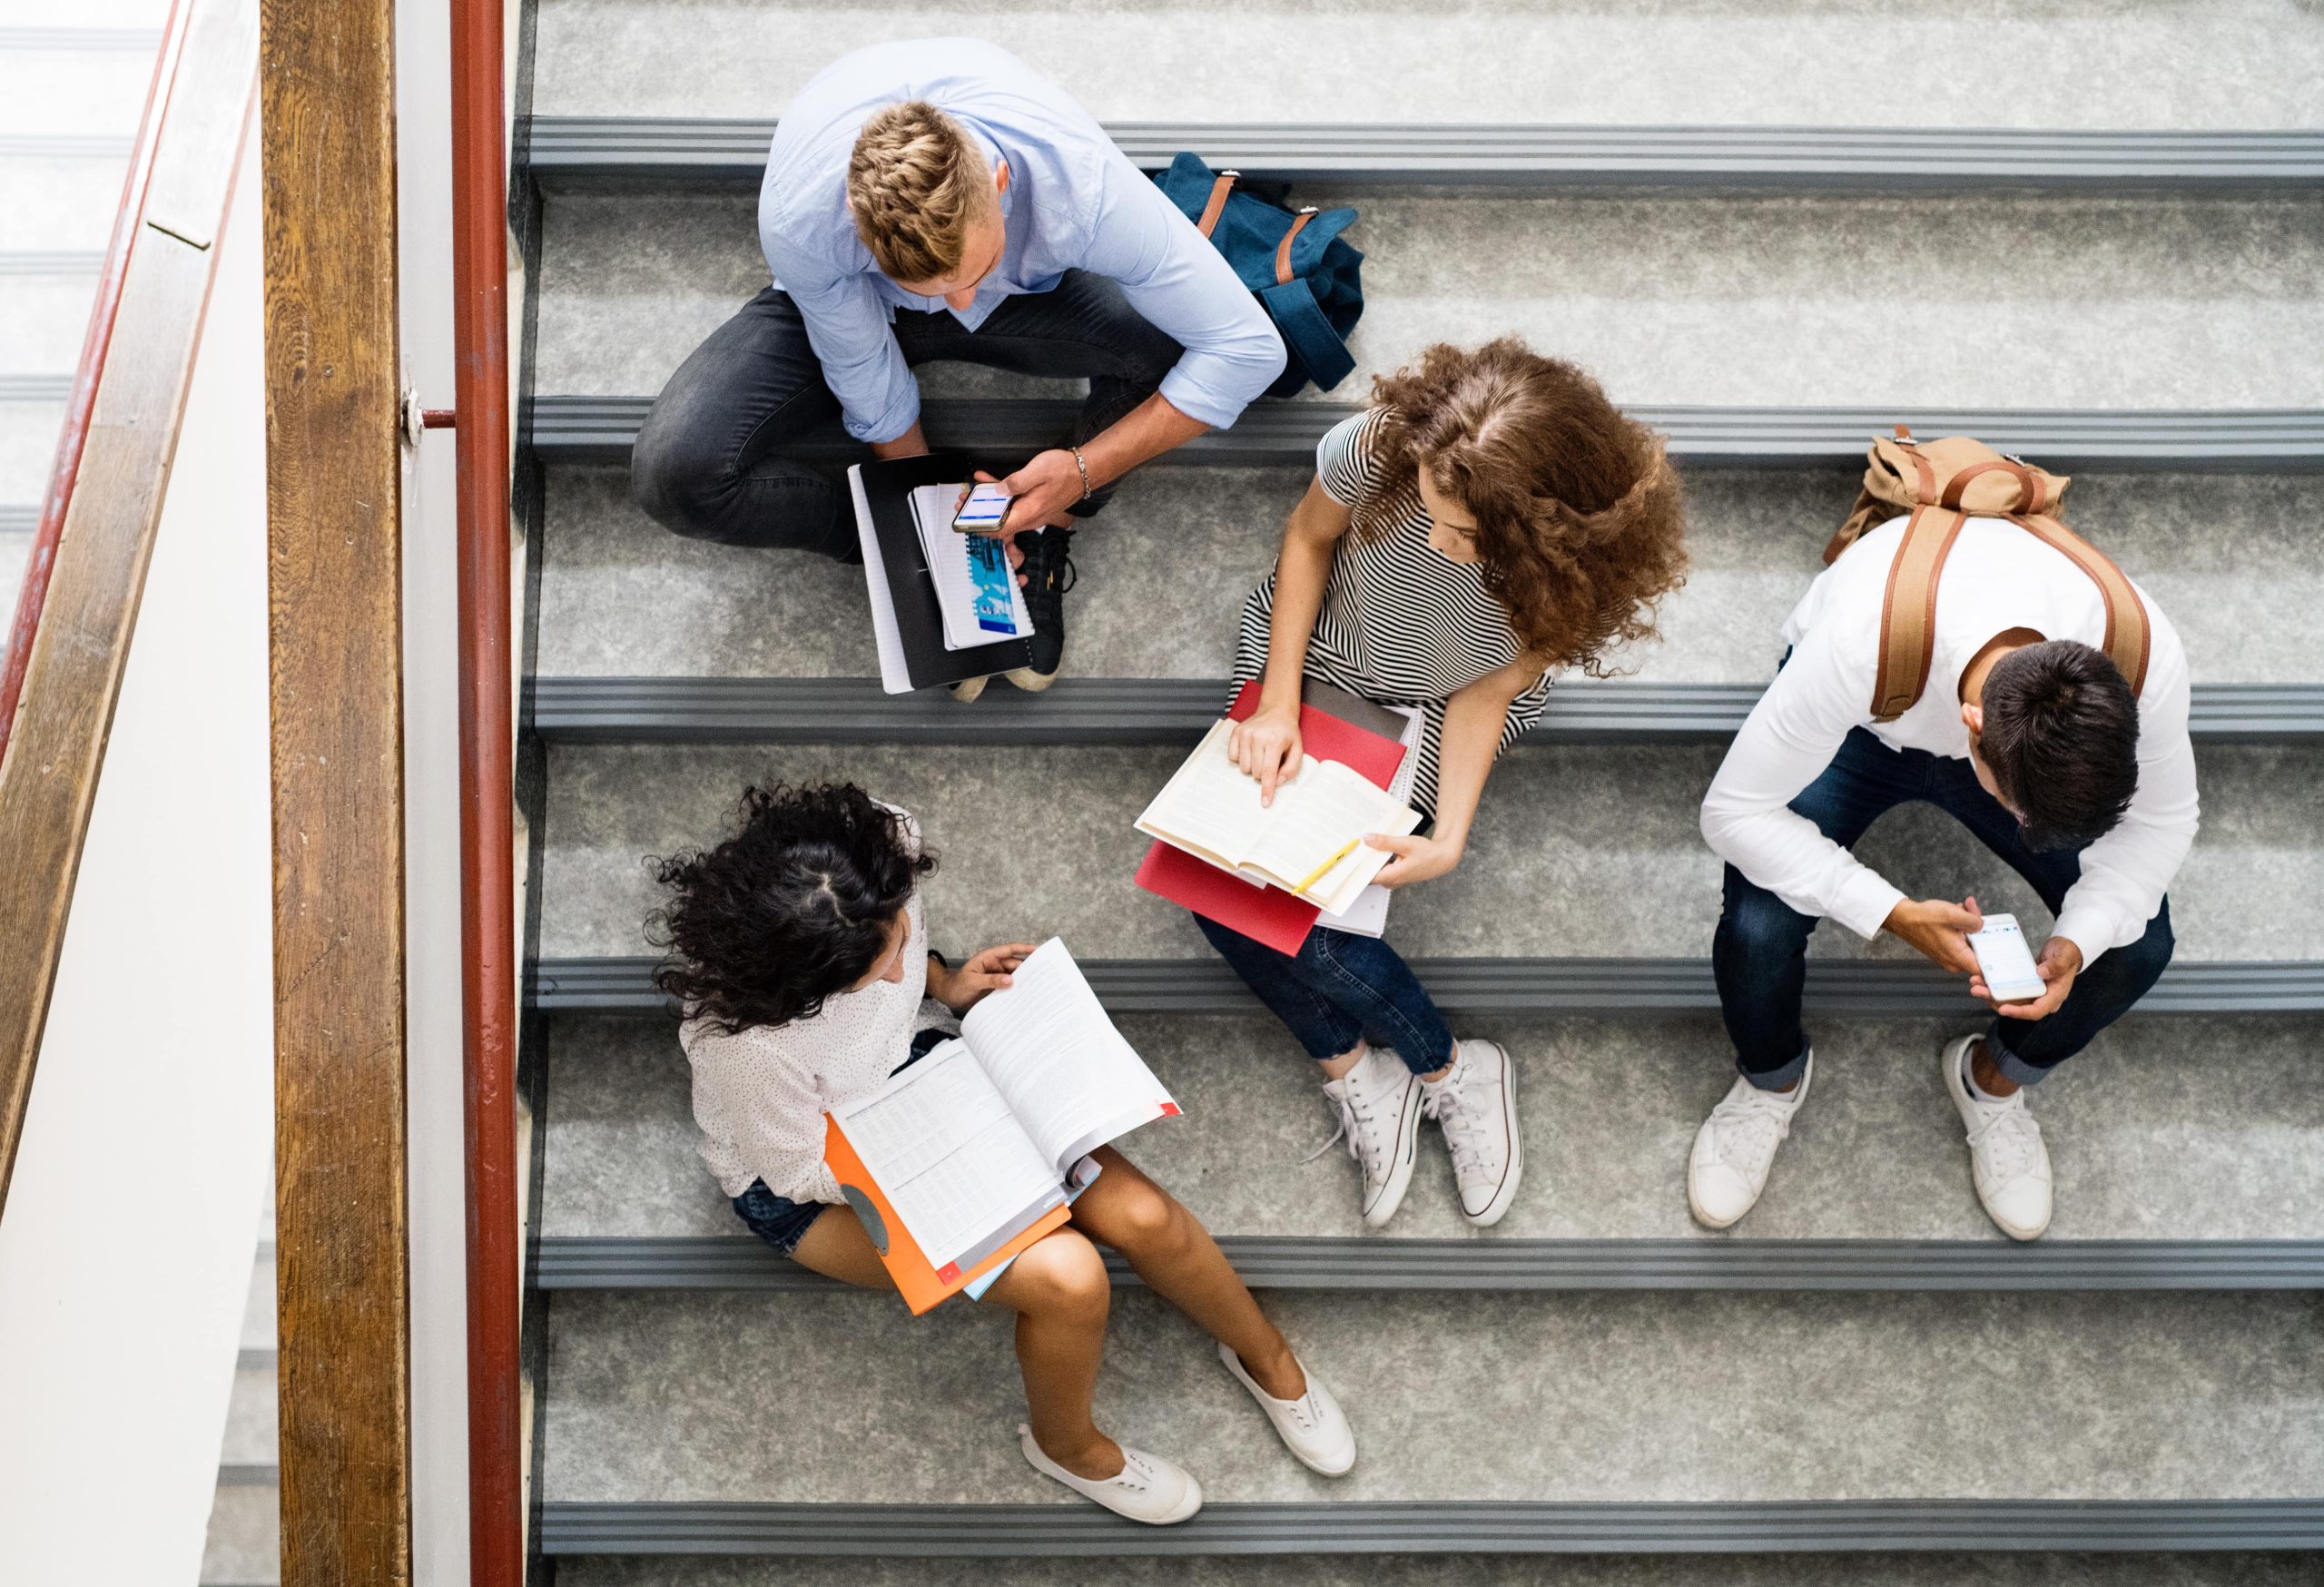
column 1379, row 1107
column 1736, row 1146
column 1476, row 1107
column 1157, row 1492
column 1311, row 1426
column 2007, row 1160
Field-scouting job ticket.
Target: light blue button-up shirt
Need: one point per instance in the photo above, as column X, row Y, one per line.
column 1074, row 201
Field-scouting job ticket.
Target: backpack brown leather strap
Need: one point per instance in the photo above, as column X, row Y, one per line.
column 1908, row 609
column 2130, row 637
column 1283, row 249
column 1217, row 205
column 2029, row 491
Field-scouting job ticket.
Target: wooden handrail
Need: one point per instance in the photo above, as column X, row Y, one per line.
column 105, row 503
column 489, row 946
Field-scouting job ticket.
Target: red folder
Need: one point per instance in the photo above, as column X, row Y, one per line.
column 1267, row 914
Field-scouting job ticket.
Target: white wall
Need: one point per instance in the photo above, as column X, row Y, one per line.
column 126, row 1254
column 438, row 1189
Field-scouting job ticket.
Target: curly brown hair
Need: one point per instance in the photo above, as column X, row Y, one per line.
column 1581, row 521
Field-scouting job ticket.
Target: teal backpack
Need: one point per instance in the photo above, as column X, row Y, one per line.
column 1304, row 274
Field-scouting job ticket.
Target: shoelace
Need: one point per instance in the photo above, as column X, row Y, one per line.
column 1347, row 1131
column 1052, row 572
column 1756, row 1124
column 2012, row 1134
column 1464, row 1132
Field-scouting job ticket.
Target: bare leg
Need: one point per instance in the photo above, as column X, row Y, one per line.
column 1060, row 1293
column 1182, row 1263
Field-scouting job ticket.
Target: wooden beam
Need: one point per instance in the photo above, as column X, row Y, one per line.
column 334, row 473
column 73, row 665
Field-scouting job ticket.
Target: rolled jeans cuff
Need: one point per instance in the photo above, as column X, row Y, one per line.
column 1777, row 1079
column 2013, row 1068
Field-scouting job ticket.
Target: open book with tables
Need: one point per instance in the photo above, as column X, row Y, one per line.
column 967, row 1157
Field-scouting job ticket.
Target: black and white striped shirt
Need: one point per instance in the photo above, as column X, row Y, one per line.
column 1400, row 625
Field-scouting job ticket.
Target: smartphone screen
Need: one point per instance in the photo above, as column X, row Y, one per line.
column 982, row 509
column 2005, row 961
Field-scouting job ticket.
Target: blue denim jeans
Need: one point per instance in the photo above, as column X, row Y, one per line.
column 1759, row 953
column 1338, row 989
column 713, row 459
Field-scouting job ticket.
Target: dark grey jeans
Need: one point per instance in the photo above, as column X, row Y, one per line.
column 712, row 458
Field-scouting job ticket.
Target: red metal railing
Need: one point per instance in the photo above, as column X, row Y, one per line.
column 33, row 593
column 488, row 847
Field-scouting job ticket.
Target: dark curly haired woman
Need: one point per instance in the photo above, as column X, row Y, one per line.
column 799, row 957
column 1490, row 520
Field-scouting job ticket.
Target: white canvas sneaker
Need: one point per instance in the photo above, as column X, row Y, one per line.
column 1379, row 1109
column 1311, row 1426
column 1476, row 1107
column 2007, row 1160
column 1148, row 1488
column 1736, row 1146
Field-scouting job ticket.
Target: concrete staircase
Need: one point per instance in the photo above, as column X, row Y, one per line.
column 1865, row 1381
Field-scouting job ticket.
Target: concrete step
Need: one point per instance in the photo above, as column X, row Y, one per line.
column 2164, row 1131
column 1793, row 63
column 1462, row 1404
column 2134, row 304
column 60, row 200
column 622, row 597
column 84, row 87
column 1897, row 1570
column 1563, row 848
column 49, row 296
column 245, row 1543
column 28, row 428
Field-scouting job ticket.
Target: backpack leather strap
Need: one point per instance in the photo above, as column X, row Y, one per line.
column 1217, row 206
column 1908, row 609
column 1283, row 249
column 2029, row 493
column 2130, row 637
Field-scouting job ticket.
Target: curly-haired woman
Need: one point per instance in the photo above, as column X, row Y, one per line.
column 1490, row 520
column 799, row 957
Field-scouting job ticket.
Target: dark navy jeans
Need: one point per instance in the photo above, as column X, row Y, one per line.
column 1338, row 989
column 1760, row 951
column 712, row 459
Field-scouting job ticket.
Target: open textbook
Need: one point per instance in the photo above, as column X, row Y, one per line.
column 976, row 588
column 969, row 1155
column 1309, row 842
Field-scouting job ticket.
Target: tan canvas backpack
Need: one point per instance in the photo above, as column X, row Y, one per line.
column 1942, row 483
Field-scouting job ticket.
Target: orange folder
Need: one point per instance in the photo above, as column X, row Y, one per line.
column 922, row 1282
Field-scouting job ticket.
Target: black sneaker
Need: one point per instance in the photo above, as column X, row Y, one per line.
column 1049, row 573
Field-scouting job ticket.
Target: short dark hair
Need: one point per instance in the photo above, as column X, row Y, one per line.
column 792, row 908
column 2061, row 739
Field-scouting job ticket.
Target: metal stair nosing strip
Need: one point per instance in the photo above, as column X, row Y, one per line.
column 1123, row 711
column 738, row 1262
column 1449, row 1526
column 1871, row 988
column 584, row 150
column 574, row 428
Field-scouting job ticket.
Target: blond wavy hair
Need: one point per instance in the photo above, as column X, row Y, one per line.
column 916, row 184
column 1581, row 524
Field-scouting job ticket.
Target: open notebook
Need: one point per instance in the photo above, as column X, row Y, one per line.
column 976, row 589
column 970, row 1155
column 1309, row 842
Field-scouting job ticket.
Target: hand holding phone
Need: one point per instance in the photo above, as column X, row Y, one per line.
column 2004, row 962
column 983, row 508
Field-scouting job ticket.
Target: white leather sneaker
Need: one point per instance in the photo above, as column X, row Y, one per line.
column 2007, row 1160
column 1476, row 1107
column 1311, row 1426
column 1379, row 1107
column 1736, row 1146
column 1148, row 1488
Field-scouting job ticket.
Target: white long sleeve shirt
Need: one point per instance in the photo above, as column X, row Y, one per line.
column 760, row 1095
column 1998, row 578
column 1074, row 201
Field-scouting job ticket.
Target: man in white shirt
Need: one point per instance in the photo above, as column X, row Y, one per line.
column 937, row 199
column 2031, row 737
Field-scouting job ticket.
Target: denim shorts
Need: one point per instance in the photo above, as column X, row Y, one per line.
column 782, row 1222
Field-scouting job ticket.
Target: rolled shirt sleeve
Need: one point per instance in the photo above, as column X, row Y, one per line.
column 1174, row 277
column 847, row 325
column 2125, row 873
column 1784, row 744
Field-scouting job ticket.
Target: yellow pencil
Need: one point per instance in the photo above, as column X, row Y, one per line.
column 1349, row 848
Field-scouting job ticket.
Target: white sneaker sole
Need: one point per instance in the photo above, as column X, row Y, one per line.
column 1400, row 1171
column 1498, row 1208
column 1807, row 1077
column 1097, row 1492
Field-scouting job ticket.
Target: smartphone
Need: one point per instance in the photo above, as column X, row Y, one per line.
column 982, row 509
column 2005, row 961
